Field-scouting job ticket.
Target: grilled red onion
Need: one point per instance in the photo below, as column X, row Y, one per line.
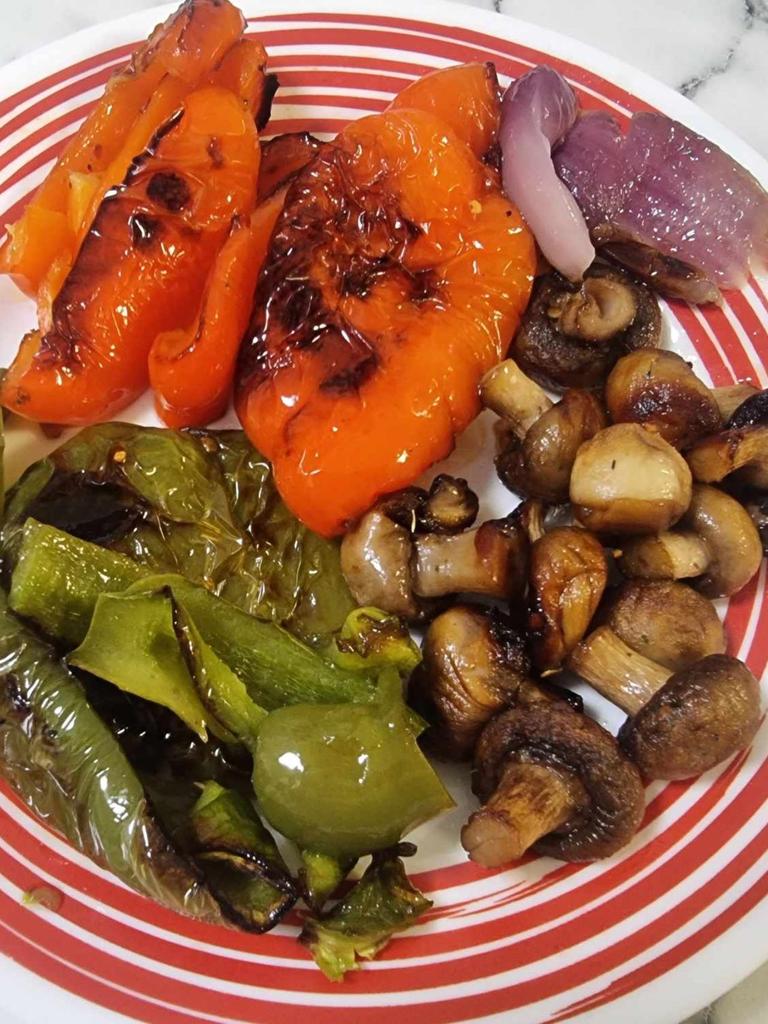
column 667, row 203
column 537, row 111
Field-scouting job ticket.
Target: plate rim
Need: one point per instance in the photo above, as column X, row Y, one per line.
column 708, row 977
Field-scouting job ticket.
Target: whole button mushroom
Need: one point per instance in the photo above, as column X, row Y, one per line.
column 412, row 547
column 665, row 621
column 716, row 545
column 627, row 479
column 571, row 335
column 536, row 441
column 552, row 780
column 567, row 576
column 740, row 451
column 660, row 389
column 475, row 664
column 680, row 724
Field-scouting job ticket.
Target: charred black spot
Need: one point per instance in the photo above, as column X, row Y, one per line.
column 214, row 151
column 353, row 378
column 144, row 229
column 87, row 507
column 751, row 413
column 426, row 286
column 17, row 699
column 264, row 112
column 296, row 312
column 138, row 162
column 168, row 189
column 492, row 156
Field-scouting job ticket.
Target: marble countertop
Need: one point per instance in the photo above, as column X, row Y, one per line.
column 713, row 51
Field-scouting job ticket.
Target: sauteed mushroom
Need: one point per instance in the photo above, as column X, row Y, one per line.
column 665, row 621
column 682, row 723
column 572, row 335
column 553, row 780
column 567, row 577
column 389, row 564
column 741, row 449
column 536, row 440
column 475, row 663
column 660, row 389
column 716, row 545
column 627, row 479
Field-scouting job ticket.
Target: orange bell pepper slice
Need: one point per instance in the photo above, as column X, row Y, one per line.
column 282, row 157
column 396, row 277
column 466, row 97
column 191, row 370
column 142, row 266
column 166, row 67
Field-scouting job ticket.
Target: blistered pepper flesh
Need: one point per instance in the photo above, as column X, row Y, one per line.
column 172, row 62
column 142, row 265
column 396, row 277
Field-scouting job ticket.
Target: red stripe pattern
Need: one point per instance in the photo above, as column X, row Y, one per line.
column 545, row 941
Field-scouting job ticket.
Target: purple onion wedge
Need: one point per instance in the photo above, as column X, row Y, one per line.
column 666, row 203
column 537, row 111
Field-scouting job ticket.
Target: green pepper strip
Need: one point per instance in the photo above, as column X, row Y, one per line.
column 66, row 765
column 59, row 578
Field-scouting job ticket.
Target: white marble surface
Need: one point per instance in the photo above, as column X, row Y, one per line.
column 713, row 51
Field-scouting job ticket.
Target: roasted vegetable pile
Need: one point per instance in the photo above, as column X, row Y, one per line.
column 175, row 645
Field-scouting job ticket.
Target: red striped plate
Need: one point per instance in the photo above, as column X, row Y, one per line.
column 653, row 934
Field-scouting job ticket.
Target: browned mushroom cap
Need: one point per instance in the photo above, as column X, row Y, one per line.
column 475, row 663
column 730, row 396
column 627, row 479
column 539, row 465
column 376, row 562
column 490, row 560
column 695, row 717
column 741, row 449
column 572, row 335
column 758, row 513
column 702, row 715
column 716, row 545
column 449, row 507
column 567, row 576
column 660, row 389
column 666, row 622
column 554, row 780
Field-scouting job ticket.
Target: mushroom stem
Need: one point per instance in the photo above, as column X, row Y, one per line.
column 729, row 398
column 488, row 560
column 514, row 396
column 530, row 801
column 620, row 674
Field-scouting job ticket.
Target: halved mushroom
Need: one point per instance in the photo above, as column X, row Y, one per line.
column 659, row 389
column 539, row 464
column 716, row 545
column 682, row 723
column 489, row 560
column 666, row 622
column 572, row 335
column 567, row 577
column 475, row 663
column 740, row 452
column 627, row 479
column 553, row 780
